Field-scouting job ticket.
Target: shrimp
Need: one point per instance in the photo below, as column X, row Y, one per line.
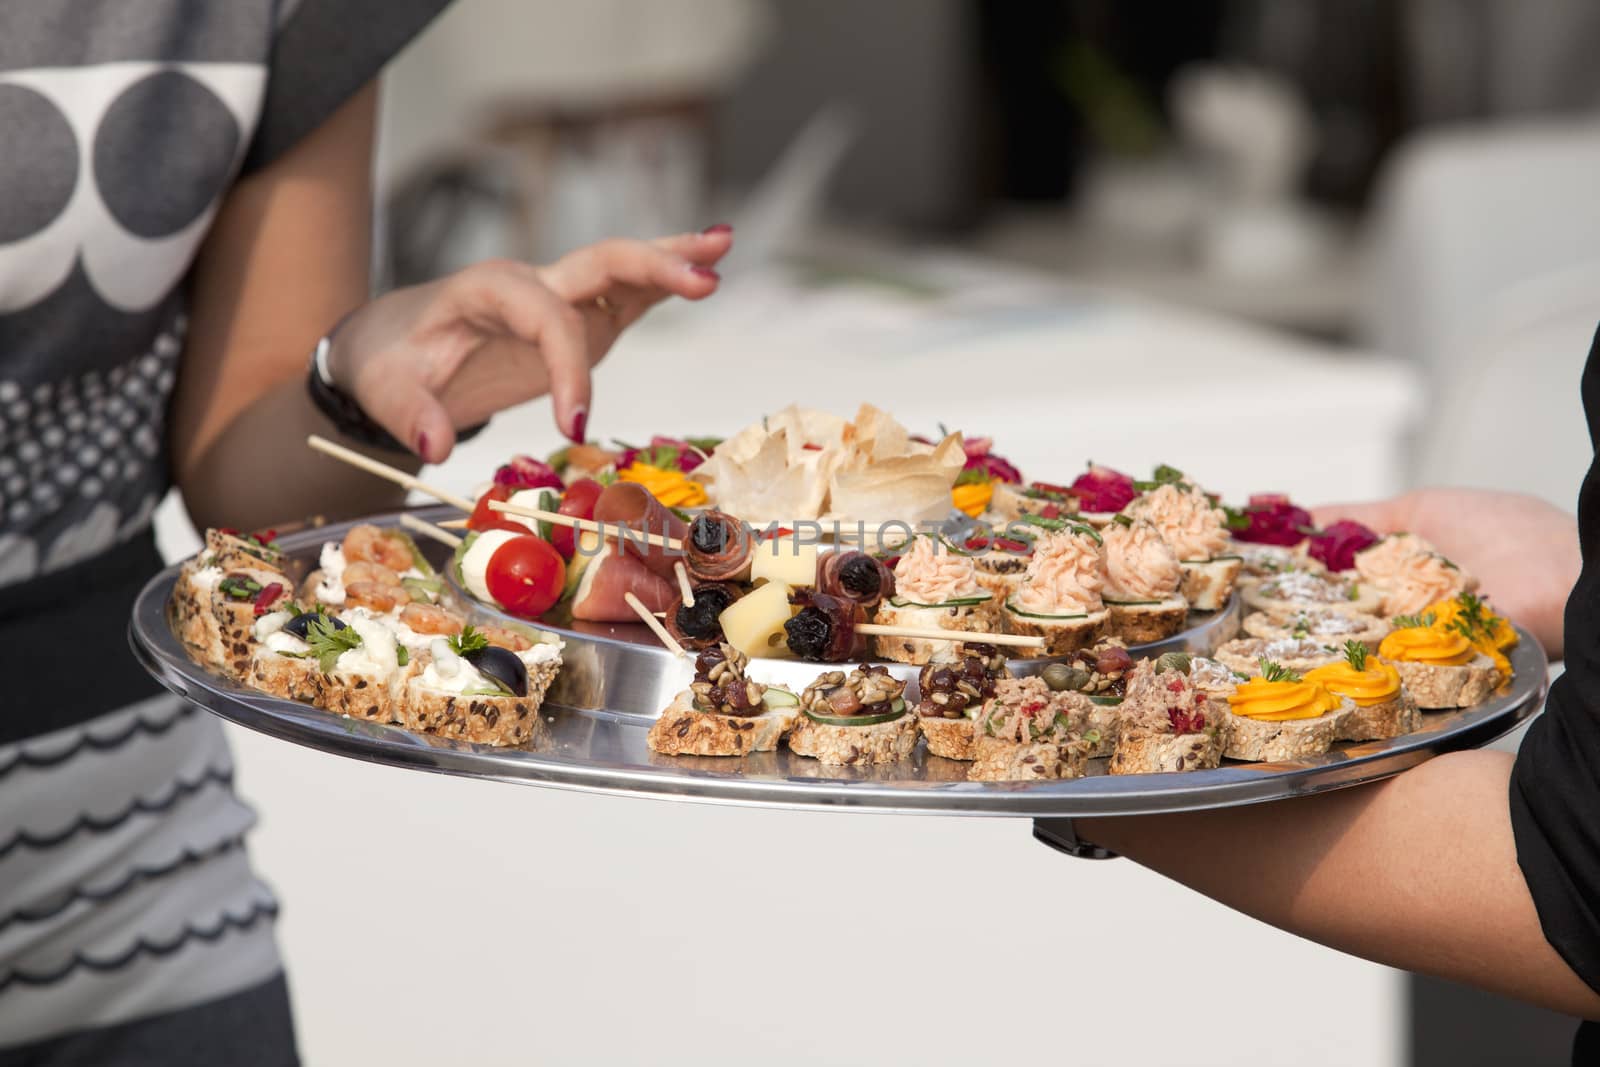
column 375, row 596
column 369, row 544
column 361, row 571
column 429, row 619
column 509, row 640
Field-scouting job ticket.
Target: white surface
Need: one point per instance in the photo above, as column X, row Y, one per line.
column 430, row 920
column 1521, row 369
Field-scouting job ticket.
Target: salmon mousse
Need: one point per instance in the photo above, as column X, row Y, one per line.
column 1060, row 595
column 1143, row 582
column 1197, row 530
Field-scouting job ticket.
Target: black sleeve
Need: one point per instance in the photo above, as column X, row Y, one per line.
column 322, row 52
column 1555, row 784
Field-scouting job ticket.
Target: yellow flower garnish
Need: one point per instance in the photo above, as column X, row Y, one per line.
column 670, row 486
column 972, row 498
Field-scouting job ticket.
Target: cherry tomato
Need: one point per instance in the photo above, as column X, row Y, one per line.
column 526, row 576
column 484, row 519
column 577, row 502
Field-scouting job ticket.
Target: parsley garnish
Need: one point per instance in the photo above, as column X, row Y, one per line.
column 1355, row 653
column 468, row 640
column 1164, row 474
column 1236, row 519
column 972, row 476
column 328, row 644
column 606, row 477
column 1412, row 622
column 1275, row 672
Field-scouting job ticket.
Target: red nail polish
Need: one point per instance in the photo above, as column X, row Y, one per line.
column 721, row 227
column 704, row 272
column 580, row 421
column 422, row 446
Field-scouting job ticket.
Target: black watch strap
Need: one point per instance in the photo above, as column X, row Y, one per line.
column 346, row 415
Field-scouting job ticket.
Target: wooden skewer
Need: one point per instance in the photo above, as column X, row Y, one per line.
column 609, row 529
column 455, row 524
column 933, row 633
column 683, row 584
column 655, row 624
column 383, row 470
column 428, row 529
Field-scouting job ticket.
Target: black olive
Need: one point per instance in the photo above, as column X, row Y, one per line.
column 708, row 534
column 942, row 678
column 702, row 621
column 502, row 665
column 300, row 625
column 861, row 575
column 809, row 633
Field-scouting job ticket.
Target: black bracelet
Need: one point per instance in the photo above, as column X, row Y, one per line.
column 347, row 416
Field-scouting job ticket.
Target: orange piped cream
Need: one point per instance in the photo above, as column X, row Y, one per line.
column 1424, row 644
column 1282, row 701
column 1379, row 683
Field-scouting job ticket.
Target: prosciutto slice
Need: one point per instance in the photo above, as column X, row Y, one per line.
column 824, row 630
column 610, row 576
column 718, row 548
column 855, row 576
column 631, row 505
column 699, row 626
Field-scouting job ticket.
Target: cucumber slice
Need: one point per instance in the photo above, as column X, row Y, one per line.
column 896, row 710
column 777, row 697
column 424, row 589
column 1105, row 701
column 958, row 602
column 1131, row 603
column 1033, row 615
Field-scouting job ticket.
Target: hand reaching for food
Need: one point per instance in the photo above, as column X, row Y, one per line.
column 1523, row 550
column 430, row 359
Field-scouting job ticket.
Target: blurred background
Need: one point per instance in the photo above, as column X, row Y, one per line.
column 1329, row 247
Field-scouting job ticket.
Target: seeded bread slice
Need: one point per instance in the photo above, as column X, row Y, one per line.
column 1368, row 629
column 1143, row 752
column 1436, row 687
column 286, row 676
column 1062, row 636
column 916, row 650
column 1208, row 583
column 1261, row 741
column 192, row 617
column 1000, row 573
column 950, row 738
column 1243, row 654
column 1377, row 722
column 502, row 721
column 1140, row 624
column 1367, row 601
column 999, row 760
column 360, row 696
column 236, row 620
column 684, row 730
column 887, row 742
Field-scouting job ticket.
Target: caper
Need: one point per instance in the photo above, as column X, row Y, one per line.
column 1059, row 677
column 1173, row 661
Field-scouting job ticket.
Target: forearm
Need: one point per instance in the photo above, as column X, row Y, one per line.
column 258, row 472
column 1419, row 872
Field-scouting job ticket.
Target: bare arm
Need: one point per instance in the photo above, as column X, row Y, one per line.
column 1419, row 872
column 287, row 258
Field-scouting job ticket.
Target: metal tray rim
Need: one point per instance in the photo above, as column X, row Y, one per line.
column 159, row 651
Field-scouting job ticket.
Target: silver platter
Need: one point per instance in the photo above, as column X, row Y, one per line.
column 612, row 685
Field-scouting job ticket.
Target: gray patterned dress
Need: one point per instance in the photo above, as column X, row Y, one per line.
column 132, row 929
